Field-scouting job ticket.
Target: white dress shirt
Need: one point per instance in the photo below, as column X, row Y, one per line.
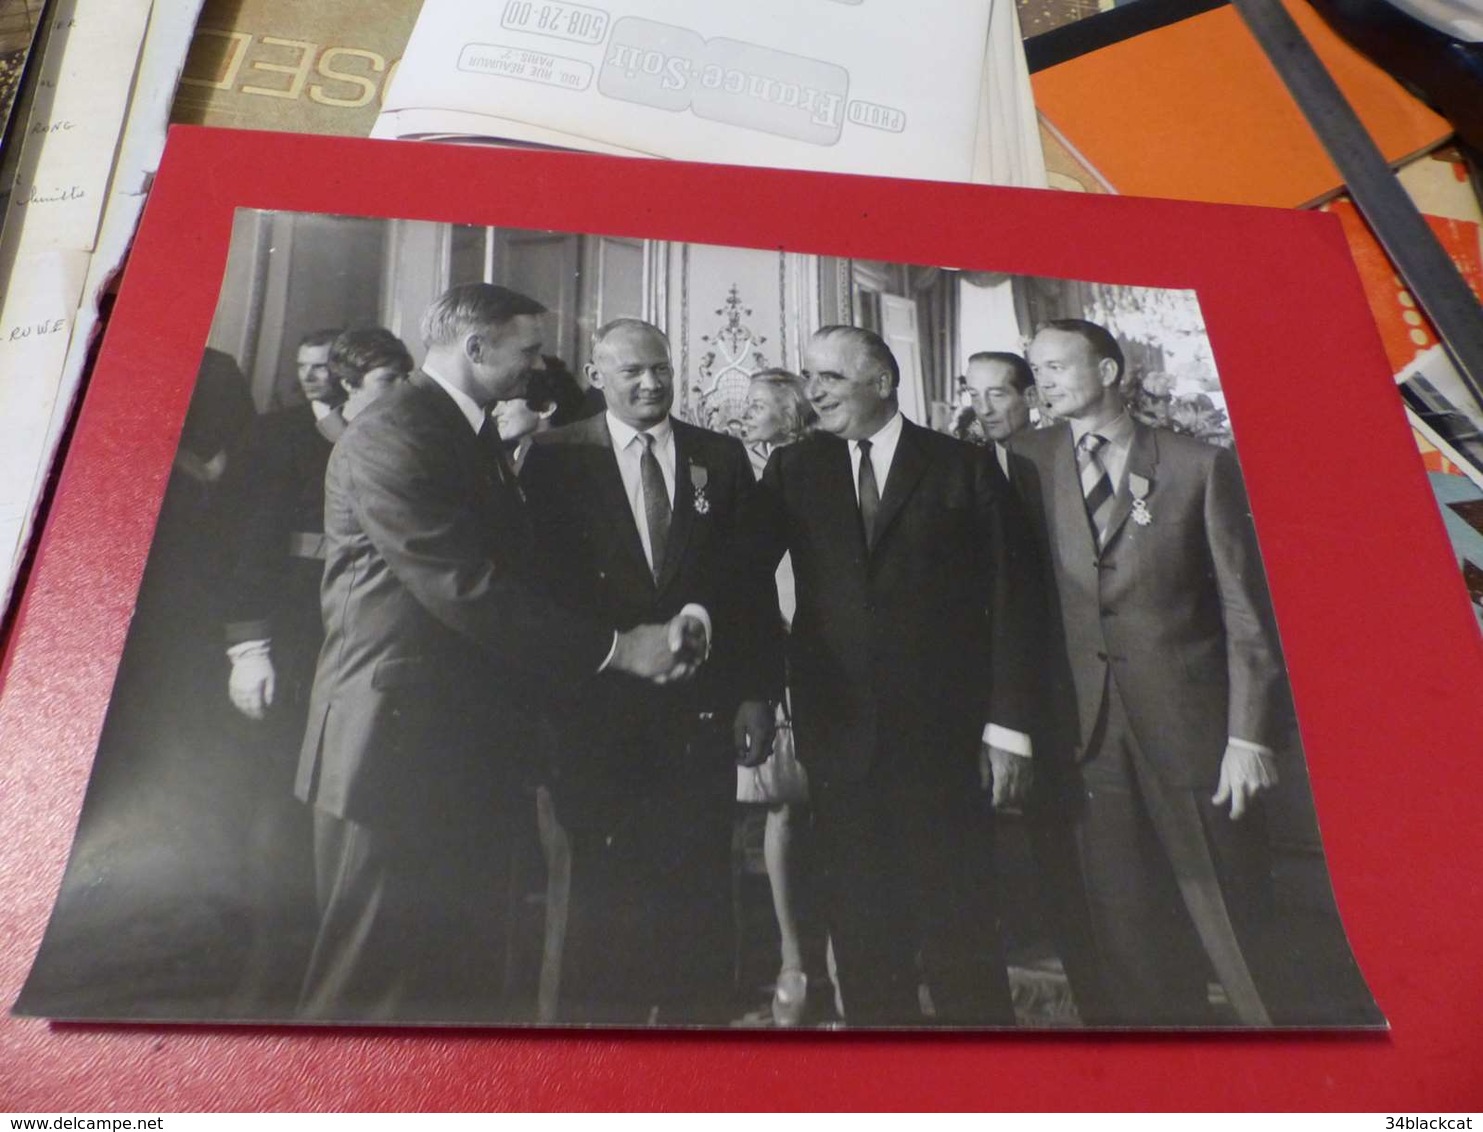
column 1001, row 453
column 882, row 453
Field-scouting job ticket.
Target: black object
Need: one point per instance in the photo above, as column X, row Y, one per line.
column 1409, row 242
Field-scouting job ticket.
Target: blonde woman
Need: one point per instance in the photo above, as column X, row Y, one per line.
column 778, row 413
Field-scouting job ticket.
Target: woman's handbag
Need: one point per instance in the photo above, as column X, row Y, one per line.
column 781, row 779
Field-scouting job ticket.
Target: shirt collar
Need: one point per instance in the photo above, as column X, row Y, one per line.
column 472, row 411
column 1117, row 432
column 623, row 433
column 887, row 435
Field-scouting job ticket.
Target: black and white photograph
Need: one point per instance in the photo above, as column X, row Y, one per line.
column 1442, row 408
column 566, row 629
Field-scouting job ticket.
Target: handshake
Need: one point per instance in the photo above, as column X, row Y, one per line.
column 664, row 653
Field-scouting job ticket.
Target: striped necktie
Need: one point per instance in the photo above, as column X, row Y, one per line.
column 1096, row 484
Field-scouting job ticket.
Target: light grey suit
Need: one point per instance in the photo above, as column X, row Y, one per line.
column 1166, row 647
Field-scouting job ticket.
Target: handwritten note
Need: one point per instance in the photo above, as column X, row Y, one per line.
column 50, row 234
column 161, row 61
column 35, row 329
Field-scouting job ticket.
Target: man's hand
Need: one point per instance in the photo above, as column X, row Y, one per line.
column 1009, row 775
column 752, row 732
column 662, row 653
column 251, row 684
column 1244, row 774
column 690, row 643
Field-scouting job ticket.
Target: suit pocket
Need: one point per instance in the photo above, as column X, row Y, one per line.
column 405, row 671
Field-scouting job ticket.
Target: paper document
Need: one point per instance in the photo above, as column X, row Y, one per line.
column 292, row 66
column 1007, row 150
column 50, row 229
column 95, row 135
column 37, row 326
column 805, row 84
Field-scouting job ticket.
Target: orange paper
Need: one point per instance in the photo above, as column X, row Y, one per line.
column 1195, row 111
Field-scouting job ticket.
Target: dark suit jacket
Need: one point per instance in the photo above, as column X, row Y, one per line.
column 221, row 407
column 274, row 487
column 436, row 633
column 905, row 651
column 593, row 559
column 1176, row 607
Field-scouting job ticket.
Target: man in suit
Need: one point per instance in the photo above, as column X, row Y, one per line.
column 1001, row 390
column 639, row 515
column 1170, row 688
column 438, row 638
column 273, row 512
column 910, row 670
column 275, row 493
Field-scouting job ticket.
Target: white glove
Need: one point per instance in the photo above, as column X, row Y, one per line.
column 250, row 685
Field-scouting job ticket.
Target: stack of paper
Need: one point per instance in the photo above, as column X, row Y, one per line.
column 826, row 85
column 1441, row 408
column 94, row 135
column 1008, row 148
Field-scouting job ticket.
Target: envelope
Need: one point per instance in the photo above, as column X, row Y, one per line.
column 823, row 84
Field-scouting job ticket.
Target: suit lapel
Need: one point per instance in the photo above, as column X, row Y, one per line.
column 1143, row 455
column 442, row 402
column 502, row 498
column 907, row 466
column 828, row 487
column 466, row 444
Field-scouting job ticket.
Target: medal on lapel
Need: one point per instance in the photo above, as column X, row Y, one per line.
column 698, row 479
column 1140, row 487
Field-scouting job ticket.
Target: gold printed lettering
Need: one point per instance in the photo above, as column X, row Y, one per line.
column 238, row 42
column 326, row 68
column 300, row 71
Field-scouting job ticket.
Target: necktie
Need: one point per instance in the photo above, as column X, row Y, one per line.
column 870, row 494
column 1096, row 484
column 515, row 532
column 494, row 449
column 656, row 502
